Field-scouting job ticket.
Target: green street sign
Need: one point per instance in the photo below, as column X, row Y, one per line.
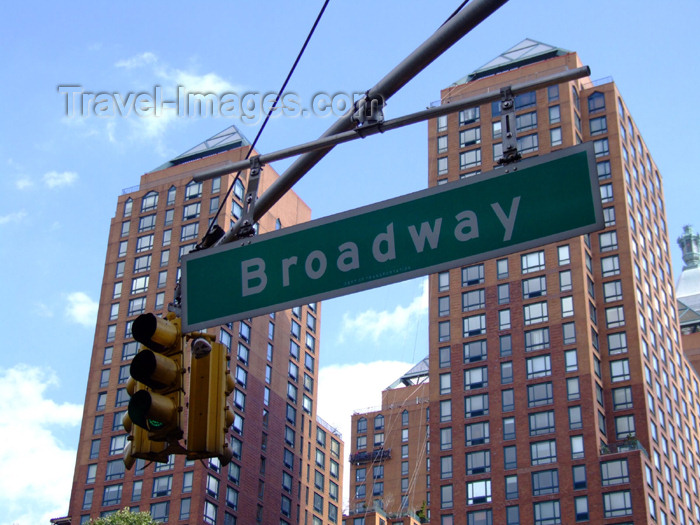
column 531, row 203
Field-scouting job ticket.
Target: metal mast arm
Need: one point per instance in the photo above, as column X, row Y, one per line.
column 459, row 25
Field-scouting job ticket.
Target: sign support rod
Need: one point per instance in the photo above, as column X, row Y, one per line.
column 399, row 122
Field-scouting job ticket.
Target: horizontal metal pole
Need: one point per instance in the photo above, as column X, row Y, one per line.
column 440, row 41
column 399, row 122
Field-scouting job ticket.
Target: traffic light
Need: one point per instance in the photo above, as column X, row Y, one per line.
column 209, row 416
column 156, row 389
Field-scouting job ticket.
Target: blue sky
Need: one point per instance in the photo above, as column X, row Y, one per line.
column 60, row 175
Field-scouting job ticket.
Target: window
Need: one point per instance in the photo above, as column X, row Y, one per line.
column 622, row 398
column 624, row 426
column 446, row 497
column 547, row 512
column 617, row 504
column 478, row 462
column 541, row 423
column 614, row 472
column 606, row 193
column 596, row 102
column 578, row 474
column 554, row 114
column 540, row 366
column 472, row 275
column 576, row 447
column 545, row 482
column 477, row 405
column 189, row 231
column 598, row 125
column 193, row 190
column 534, row 287
column 526, row 121
column 443, row 281
column 609, row 217
column 445, row 441
column 444, row 354
column 543, row 452
column 505, row 343
column 476, row 434
column 536, row 339
column 532, row 262
column 615, row 316
column 528, row 144
column 442, row 123
column 469, row 115
column 144, row 243
column 612, row 291
column 601, row 147
column 508, row 428
column 476, row 378
column 147, row 222
column 506, row 372
column 567, row 306
column 474, row 351
column 610, row 265
column 442, row 166
column 445, row 469
column 608, row 241
column 504, row 319
column 568, row 333
column 617, row 343
column 474, row 325
column 503, row 293
column 444, row 331
column 575, row 418
column 480, row 517
column 535, row 313
column 539, row 395
column 112, row 495
column 581, row 508
column 555, row 137
column 469, row 137
column 473, row 300
column 478, row 492
column 573, row 389
column 507, row 400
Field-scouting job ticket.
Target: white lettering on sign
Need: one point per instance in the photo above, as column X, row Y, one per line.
column 316, row 255
column 286, row 264
column 249, row 274
column 254, row 278
column 349, row 258
column 385, row 240
column 425, row 233
column 507, row 221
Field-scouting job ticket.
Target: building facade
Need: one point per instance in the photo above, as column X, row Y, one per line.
column 559, row 392
column 287, row 463
column 390, row 448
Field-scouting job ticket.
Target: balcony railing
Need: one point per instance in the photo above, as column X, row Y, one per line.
column 626, row 445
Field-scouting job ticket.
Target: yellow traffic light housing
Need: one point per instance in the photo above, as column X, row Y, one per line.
column 209, row 416
column 154, row 417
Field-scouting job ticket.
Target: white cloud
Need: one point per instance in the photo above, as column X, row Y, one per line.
column 208, row 83
column 29, row 446
column 346, row 389
column 55, row 179
column 141, row 60
column 12, row 217
column 373, row 324
column 24, row 183
column 81, row 309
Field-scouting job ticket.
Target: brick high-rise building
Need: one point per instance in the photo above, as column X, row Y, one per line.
column 390, row 449
column 559, row 391
column 287, row 464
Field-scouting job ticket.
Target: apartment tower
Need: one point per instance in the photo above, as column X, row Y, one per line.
column 287, row 463
column 559, row 392
column 390, row 449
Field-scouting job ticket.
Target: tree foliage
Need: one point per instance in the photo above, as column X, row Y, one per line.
column 125, row 517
